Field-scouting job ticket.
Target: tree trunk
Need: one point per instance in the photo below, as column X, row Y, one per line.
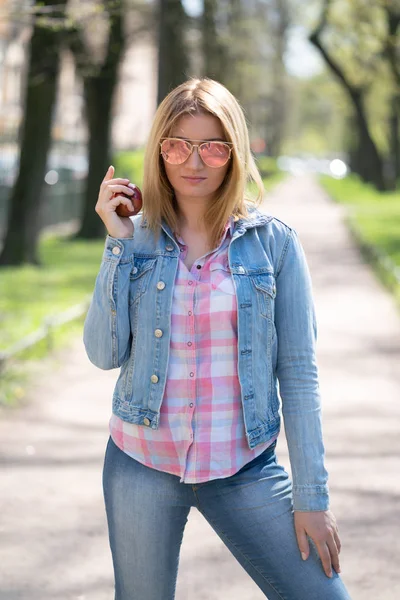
column 278, row 101
column 393, row 166
column 20, row 244
column 214, row 55
column 370, row 163
column 172, row 52
column 393, row 24
column 98, row 107
column 99, row 86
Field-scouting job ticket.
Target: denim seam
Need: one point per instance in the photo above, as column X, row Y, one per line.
column 233, row 544
column 284, row 252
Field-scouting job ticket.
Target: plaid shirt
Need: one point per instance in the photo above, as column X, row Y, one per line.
column 201, row 434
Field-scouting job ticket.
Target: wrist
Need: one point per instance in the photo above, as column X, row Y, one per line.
column 121, row 235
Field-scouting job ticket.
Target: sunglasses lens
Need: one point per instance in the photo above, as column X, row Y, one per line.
column 214, row 154
column 175, row 151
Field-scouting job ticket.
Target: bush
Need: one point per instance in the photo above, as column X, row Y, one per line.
column 267, row 166
column 130, row 164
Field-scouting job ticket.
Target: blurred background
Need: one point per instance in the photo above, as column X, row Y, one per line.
column 80, row 80
column 319, row 82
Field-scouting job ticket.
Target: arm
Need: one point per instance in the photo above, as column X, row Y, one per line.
column 107, row 332
column 297, row 373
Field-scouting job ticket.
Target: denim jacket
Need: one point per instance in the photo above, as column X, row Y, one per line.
column 128, row 325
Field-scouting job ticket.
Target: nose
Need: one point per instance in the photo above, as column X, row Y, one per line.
column 194, row 159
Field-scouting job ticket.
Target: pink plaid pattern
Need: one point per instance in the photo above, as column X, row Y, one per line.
column 201, row 434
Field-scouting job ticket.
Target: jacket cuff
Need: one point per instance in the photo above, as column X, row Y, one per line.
column 116, row 248
column 310, row 497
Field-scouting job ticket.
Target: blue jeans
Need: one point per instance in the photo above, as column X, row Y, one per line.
column 251, row 511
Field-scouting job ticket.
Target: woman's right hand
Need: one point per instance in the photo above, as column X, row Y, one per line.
column 118, row 227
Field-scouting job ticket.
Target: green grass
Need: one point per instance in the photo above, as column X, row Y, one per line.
column 32, row 293
column 374, row 218
column 376, row 214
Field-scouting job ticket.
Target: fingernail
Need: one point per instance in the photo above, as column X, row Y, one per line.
column 304, row 556
column 330, row 574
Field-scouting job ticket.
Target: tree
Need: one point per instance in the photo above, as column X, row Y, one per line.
column 278, row 103
column 173, row 61
column 20, row 244
column 99, row 83
column 214, row 52
column 356, row 66
column 243, row 45
column 392, row 54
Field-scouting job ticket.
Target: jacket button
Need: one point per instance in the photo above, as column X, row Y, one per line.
column 116, row 250
column 134, row 270
column 146, row 421
column 169, row 248
column 154, row 379
column 158, row 333
column 160, row 285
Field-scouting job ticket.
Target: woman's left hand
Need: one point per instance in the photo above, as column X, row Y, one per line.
column 322, row 528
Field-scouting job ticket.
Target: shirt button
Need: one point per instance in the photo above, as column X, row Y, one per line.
column 190, row 313
column 190, row 282
column 189, row 343
column 158, row 333
column 154, row 379
column 191, row 374
column 169, row 248
column 191, row 404
column 116, row 250
column 182, row 249
column 146, row 421
column 160, row 285
column 199, row 266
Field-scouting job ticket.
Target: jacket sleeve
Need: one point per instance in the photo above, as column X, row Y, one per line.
column 297, row 373
column 106, row 331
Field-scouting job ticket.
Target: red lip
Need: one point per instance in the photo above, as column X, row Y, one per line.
column 195, row 178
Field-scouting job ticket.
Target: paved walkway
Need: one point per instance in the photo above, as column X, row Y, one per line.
column 53, row 536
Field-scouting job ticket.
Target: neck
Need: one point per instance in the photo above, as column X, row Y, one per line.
column 191, row 215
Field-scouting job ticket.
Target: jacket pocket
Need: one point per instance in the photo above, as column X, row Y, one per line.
column 265, row 286
column 139, row 278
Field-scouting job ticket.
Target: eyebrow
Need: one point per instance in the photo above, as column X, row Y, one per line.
column 215, row 139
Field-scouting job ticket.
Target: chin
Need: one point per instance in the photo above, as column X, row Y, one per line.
column 193, row 192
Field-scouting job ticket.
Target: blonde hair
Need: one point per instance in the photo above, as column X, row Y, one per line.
column 199, row 96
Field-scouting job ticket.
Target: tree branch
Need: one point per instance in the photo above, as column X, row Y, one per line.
column 315, row 39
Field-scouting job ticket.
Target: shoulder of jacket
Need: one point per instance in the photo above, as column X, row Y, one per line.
column 275, row 236
column 281, row 225
column 269, row 222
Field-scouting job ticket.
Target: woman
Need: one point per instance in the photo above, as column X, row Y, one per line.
column 206, row 304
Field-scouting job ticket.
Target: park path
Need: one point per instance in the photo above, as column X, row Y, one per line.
column 53, row 536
